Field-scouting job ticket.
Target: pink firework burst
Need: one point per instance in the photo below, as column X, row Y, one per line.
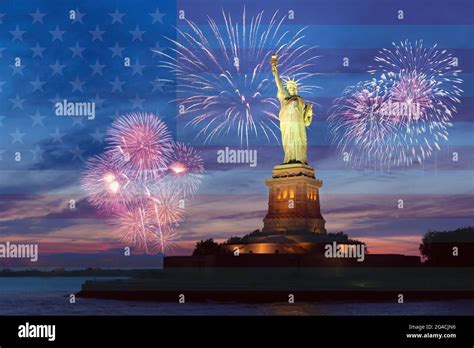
column 141, row 143
column 417, row 90
column 185, row 169
column 107, row 184
column 143, row 178
column 359, row 127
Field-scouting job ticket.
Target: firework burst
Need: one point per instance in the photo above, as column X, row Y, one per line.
column 108, row 186
column 223, row 77
column 417, row 91
column 357, row 125
column 185, row 169
column 141, row 144
column 142, row 180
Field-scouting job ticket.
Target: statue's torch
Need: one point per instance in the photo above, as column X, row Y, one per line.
column 274, row 60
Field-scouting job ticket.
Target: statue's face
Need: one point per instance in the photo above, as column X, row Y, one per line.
column 292, row 89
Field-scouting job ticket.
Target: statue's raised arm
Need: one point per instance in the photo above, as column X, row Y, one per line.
column 281, row 90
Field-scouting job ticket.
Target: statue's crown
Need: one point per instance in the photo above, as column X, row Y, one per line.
column 291, row 82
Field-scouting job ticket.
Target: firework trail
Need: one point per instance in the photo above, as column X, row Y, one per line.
column 170, row 204
column 406, row 124
column 136, row 227
column 141, row 144
column 168, row 195
column 167, row 239
column 168, row 208
column 223, row 77
column 148, row 227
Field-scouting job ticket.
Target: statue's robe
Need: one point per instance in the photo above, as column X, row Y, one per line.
column 293, row 127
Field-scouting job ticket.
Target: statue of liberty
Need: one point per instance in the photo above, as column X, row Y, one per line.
column 295, row 115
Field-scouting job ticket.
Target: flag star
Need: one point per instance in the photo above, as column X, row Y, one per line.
column 97, row 68
column 57, row 68
column 78, row 16
column 157, row 85
column 137, row 34
column 17, row 137
column 1, row 84
column 117, row 50
column 37, row 16
column 98, row 101
column 17, row 34
column 117, row 16
column 57, row 136
column 17, row 69
column 37, row 84
column 78, row 120
column 17, row 102
column 156, row 50
column 137, row 68
column 157, row 16
column 37, row 50
column 115, row 115
column 77, row 50
column 77, row 85
column 97, row 34
column 1, row 120
column 77, row 153
column 117, row 85
column 55, row 100
column 37, row 119
column 57, row 34
column 1, row 17
column 137, row 102
column 97, row 136
column 37, row 153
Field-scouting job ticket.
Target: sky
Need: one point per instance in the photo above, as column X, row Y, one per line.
column 46, row 56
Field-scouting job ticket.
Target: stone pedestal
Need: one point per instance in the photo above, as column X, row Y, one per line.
column 293, row 201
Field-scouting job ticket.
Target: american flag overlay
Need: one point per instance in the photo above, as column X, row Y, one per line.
column 69, row 69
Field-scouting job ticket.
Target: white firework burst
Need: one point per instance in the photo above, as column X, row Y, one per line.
column 224, row 80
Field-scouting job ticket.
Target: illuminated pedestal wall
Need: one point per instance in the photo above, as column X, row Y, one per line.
column 293, row 201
